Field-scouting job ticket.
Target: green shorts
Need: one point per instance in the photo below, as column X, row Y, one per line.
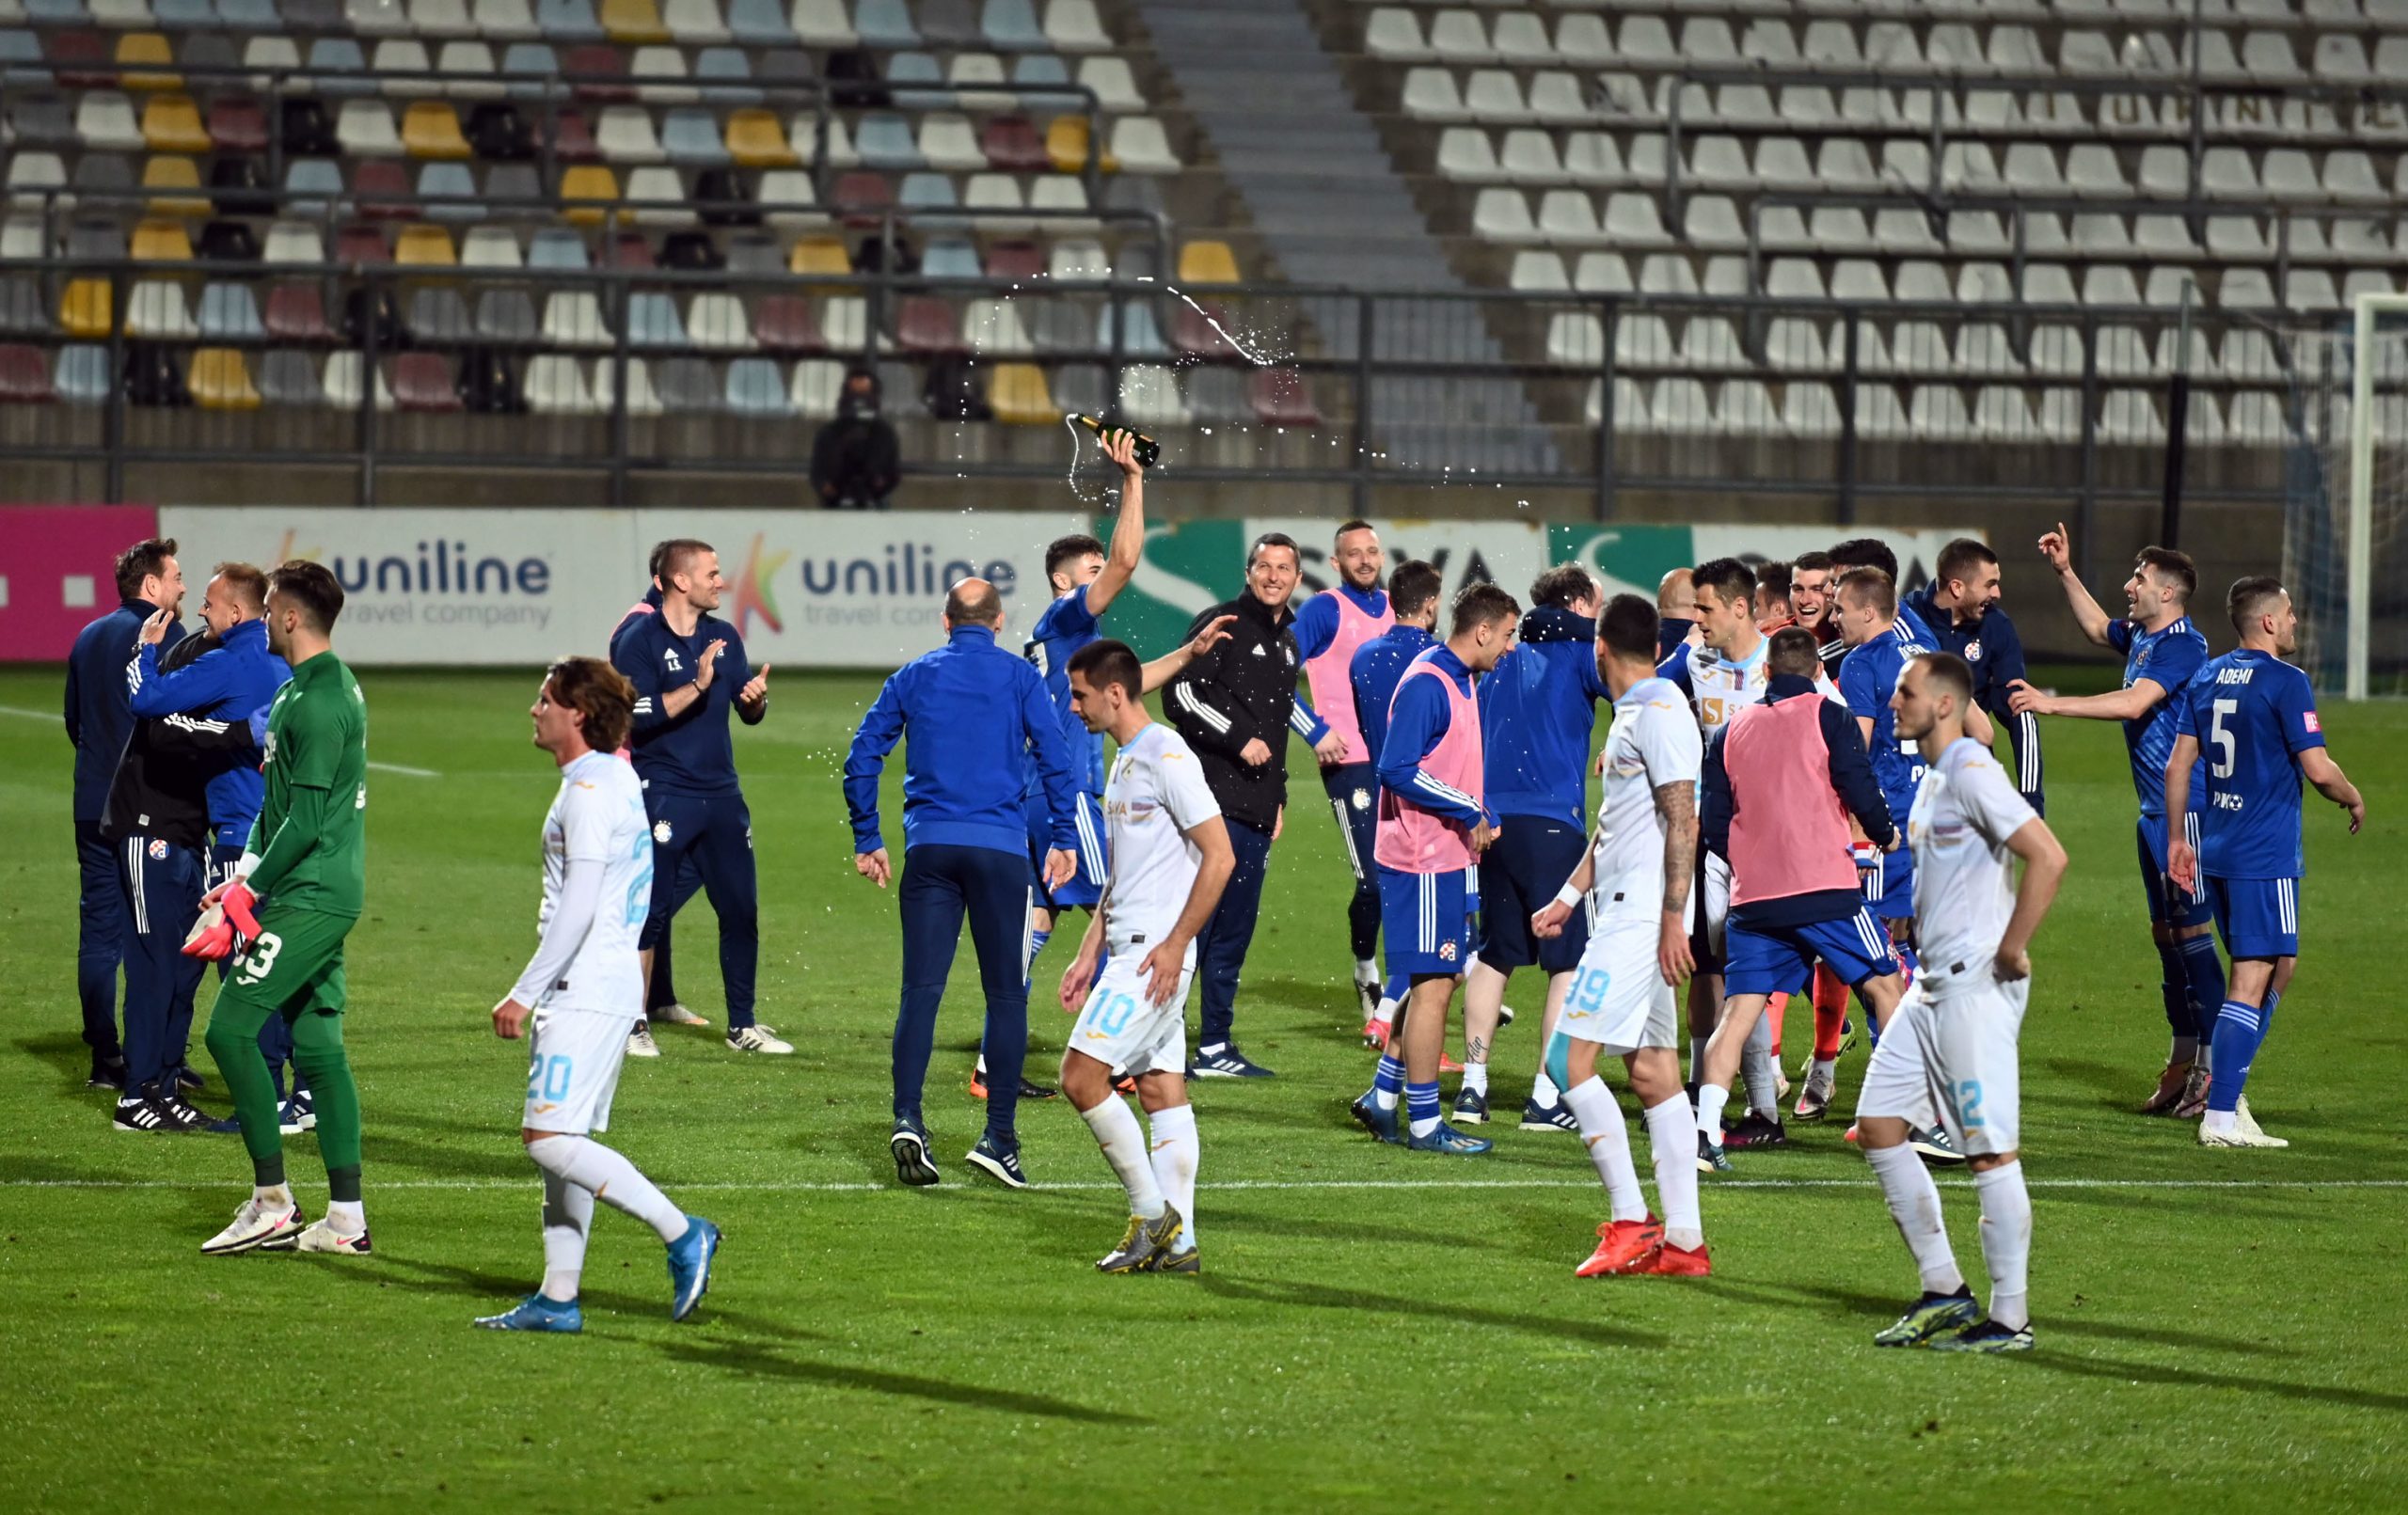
column 295, row 966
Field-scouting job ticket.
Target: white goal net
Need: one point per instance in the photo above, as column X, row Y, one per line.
column 2345, row 497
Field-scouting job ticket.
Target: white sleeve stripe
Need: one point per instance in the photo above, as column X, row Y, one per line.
column 1299, row 720
column 197, row 723
column 1193, row 706
column 1428, row 785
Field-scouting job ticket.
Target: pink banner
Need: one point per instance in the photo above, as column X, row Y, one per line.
column 56, row 572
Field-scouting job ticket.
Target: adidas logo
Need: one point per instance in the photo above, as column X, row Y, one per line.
column 140, row 1116
column 1258, row 650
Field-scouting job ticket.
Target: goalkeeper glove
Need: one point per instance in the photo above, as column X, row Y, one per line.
column 227, row 929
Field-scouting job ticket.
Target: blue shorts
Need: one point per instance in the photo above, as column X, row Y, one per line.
column 1519, row 873
column 2256, row 917
column 1775, row 959
column 2166, row 902
column 1889, row 885
column 1425, row 921
column 1085, row 889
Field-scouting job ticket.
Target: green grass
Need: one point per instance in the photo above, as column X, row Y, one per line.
column 1352, row 1345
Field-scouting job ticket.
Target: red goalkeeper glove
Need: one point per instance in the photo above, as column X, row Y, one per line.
column 225, row 928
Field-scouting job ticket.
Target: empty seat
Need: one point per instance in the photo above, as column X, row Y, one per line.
column 229, row 312
column 755, row 387
column 220, row 380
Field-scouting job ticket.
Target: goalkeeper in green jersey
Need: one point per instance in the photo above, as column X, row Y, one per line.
column 292, row 901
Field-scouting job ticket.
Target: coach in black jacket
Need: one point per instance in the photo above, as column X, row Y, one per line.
column 1235, row 705
column 157, row 821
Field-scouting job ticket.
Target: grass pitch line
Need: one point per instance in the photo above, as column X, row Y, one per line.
column 807, row 1187
column 402, row 768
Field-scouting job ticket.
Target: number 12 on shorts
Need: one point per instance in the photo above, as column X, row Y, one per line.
column 1965, row 1099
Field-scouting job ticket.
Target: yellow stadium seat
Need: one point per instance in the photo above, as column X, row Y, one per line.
column 818, row 254
column 1019, row 397
column 1207, row 262
column 755, row 140
column 1066, row 143
column 84, row 310
column 146, row 48
column 220, row 380
column 171, row 123
column 174, row 173
column 431, row 128
column 587, row 181
column 421, row 245
column 633, row 21
column 162, row 242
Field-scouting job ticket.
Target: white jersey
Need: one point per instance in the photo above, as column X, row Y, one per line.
column 1964, row 810
column 598, row 816
column 1720, row 686
column 1155, row 794
column 1654, row 741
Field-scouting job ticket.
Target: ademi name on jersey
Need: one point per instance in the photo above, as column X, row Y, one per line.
column 2234, row 675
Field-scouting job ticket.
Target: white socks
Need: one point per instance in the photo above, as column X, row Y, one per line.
column 1476, row 1078
column 1710, row 1100
column 1367, row 971
column 611, row 1178
column 568, row 1218
column 1124, row 1147
column 347, row 1216
column 1175, row 1156
column 1755, row 1060
column 1671, row 1132
column 2006, row 1241
column 1542, row 1090
column 1914, row 1204
column 1600, row 1128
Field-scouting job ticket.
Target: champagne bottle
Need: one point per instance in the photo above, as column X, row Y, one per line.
column 1149, row 451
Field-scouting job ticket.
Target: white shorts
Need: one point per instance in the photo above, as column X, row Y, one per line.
column 577, row 1056
column 1948, row 1057
column 1121, row 1027
column 1618, row 999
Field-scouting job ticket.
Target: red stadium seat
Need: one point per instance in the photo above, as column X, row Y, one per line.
column 602, row 62
column 423, row 381
column 361, row 244
column 25, row 378
column 79, row 58
column 1281, row 399
column 629, row 250
column 383, row 186
column 1195, row 335
column 237, row 126
column 573, row 137
column 924, row 324
column 1014, row 258
column 864, row 197
column 785, row 324
column 1011, row 144
column 296, row 313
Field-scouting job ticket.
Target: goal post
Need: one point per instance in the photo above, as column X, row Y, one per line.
column 2345, row 497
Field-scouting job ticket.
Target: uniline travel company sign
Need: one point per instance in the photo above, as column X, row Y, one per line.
column 519, row 587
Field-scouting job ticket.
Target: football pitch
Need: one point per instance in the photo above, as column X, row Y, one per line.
column 1373, row 1329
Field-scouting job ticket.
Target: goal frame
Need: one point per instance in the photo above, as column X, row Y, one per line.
column 2369, row 308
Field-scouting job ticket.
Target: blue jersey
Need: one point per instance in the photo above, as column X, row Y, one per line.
column 2168, row 658
column 1869, row 676
column 2253, row 715
column 1064, row 627
column 1537, row 712
column 1378, row 664
column 692, row 751
column 232, row 682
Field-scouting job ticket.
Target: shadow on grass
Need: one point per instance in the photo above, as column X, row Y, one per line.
column 753, row 1359
column 66, row 1055
column 1451, row 1311
column 471, row 1283
column 1878, row 1309
column 2108, row 1368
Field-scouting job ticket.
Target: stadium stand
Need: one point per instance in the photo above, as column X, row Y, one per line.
column 1626, row 226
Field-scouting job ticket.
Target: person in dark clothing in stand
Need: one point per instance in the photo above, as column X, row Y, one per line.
column 856, row 460
column 149, row 580
column 1235, row 705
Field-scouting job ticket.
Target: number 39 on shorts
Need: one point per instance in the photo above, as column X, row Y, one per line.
column 255, row 966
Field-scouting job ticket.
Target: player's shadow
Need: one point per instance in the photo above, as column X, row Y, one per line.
column 1449, row 1311
column 2118, row 1371
column 2114, row 1085
column 66, row 1056
column 756, row 1361
column 492, row 1155
column 1879, row 1308
column 1325, row 1227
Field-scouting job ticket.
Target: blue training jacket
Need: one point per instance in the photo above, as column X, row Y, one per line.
column 973, row 713
column 100, row 676
column 1378, row 664
column 232, row 682
column 1537, row 712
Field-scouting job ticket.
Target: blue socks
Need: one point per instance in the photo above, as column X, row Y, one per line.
column 2241, row 1030
column 2204, row 971
column 1422, row 1107
column 1391, row 1078
column 1037, row 940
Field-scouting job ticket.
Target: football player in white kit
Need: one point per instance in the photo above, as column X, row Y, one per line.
column 1171, row 858
column 1948, row 1053
column 1635, row 881
column 581, row 989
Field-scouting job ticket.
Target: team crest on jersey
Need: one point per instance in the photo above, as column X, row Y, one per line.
column 1362, row 799
column 1974, row 651
column 1446, row 952
column 660, row 833
column 158, row 850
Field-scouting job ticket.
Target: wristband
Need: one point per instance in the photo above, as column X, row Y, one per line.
column 1569, row 897
column 246, row 864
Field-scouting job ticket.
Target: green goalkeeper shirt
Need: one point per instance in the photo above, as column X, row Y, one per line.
column 312, row 836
